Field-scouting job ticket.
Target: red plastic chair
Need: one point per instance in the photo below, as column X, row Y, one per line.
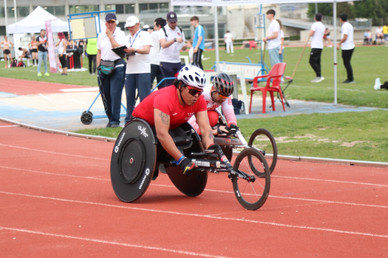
column 272, row 85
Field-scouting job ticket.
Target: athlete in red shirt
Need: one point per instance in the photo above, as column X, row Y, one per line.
column 172, row 106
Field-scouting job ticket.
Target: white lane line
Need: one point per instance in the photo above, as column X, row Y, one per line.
column 53, row 152
column 329, row 180
column 212, row 217
column 100, row 241
column 8, row 126
column 207, row 189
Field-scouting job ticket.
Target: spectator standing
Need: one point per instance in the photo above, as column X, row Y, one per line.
column 62, row 45
column 5, row 45
column 159, row 23
column 273, row 40
column 347, row 46
column 228, row 38
column 42, row 52
column 91, row 51
column 34, row 50
column 317, row 32
column 385, row 33
column 172, row 41
column 138, row 71
column 198, row 42
column 111, row 85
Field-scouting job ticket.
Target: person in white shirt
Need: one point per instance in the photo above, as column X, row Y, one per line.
column 154, row 52
column 138, row 71
column 281, row 37
column 111, row 85
column 273, row 40
column 172, row 41
column 228, row 38
column 317, row 32
column 347, row 46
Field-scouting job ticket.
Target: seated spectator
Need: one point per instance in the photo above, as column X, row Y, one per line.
column 25, row 53
column 379, row 34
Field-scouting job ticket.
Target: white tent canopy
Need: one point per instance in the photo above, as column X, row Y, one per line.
column 244, row 2
column 35, row 21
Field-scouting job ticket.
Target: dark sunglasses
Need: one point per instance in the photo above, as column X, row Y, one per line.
column 194, row 91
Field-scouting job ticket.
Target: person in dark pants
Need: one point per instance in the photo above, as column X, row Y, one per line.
column 198, row 41
column 91, row 51
column 111, row 85
column 159, row 23
column 347, row 46
column 316, row 33
column 172, row 41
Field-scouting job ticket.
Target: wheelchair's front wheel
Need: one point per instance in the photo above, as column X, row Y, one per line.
column 263, row 141
column 251, row 195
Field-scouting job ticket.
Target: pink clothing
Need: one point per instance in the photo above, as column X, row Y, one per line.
column 226, row 107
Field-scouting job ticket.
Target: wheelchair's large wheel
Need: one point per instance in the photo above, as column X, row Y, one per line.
column 251, row 195
column 191, row 184
column 133, row 160
column 263, row 140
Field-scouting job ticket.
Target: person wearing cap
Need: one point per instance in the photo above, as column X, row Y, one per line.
column 159, row 23
column 172, row 41
column 198, row 41
column 173, row 106
column 111, row 86
column 137, row 74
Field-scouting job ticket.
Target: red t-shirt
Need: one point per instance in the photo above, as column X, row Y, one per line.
column 167, row 101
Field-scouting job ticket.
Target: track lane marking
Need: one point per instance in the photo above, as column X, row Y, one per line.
column 212, row 217
column 206, row 189
column 52, row 152
column 100, row 241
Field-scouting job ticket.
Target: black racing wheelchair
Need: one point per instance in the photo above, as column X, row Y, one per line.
column 137, row 158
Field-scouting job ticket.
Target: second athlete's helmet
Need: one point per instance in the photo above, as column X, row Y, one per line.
column 223, row 84
column 193, row 76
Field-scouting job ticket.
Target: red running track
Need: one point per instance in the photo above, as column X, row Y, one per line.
column 56, row 200
column 26, row 87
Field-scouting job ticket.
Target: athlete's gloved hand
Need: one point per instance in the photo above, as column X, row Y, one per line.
column 233, row 129
column 221, row 129
column 186, row 165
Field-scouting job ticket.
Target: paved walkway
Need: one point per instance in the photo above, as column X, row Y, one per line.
column 59, row 106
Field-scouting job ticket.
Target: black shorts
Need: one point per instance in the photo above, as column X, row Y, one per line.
column 6, row 52
column 34, row 50
column 63, row 61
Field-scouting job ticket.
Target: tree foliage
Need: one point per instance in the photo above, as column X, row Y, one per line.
column 377, row 10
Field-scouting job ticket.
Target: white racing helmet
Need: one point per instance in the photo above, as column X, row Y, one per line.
column 193, row 76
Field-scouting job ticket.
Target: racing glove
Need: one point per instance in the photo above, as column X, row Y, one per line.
column 233, row 129
column 186, row 164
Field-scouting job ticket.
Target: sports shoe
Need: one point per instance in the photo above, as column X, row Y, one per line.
column 377, row 84
column 39, row 74
column 46, row 74
column 317, row 79
column 348, row 81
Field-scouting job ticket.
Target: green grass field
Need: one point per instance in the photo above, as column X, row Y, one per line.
column 358, row 135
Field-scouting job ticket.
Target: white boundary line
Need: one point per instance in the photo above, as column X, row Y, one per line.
column 100, row 241
column 211, row 217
